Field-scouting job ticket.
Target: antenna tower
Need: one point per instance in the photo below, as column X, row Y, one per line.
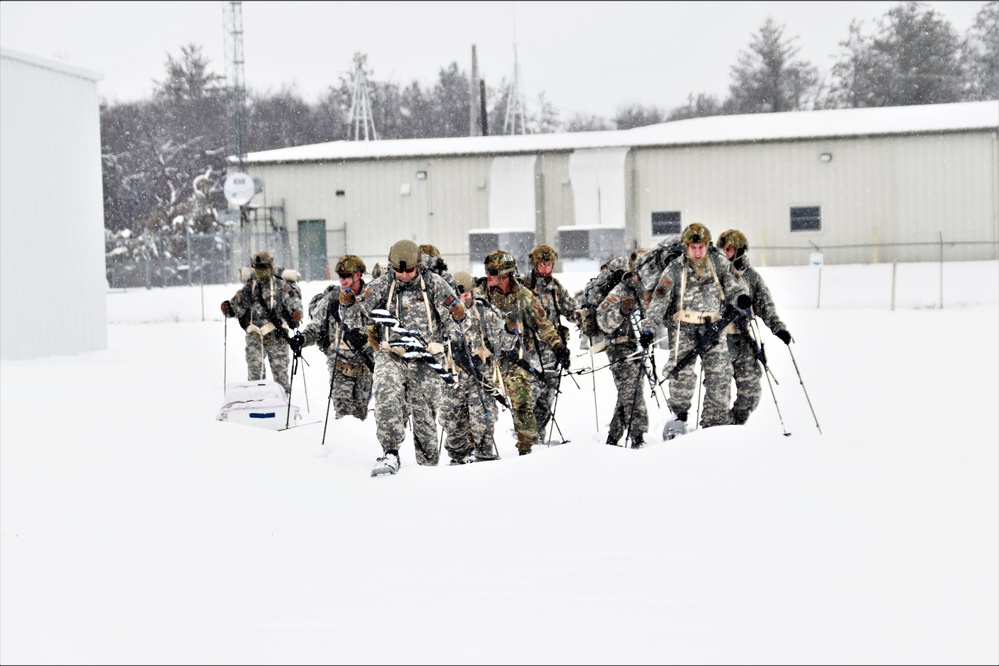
column 360, row 107
column 232, row 18
column 515, row 102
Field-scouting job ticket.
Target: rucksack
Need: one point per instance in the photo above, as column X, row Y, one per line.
column 594, row 293
column 651, row 264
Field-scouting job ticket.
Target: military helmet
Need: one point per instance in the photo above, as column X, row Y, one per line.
column 543, row 253
column 350, row 264
column 499, row 262
column 735, row 238
column 465, row 282
column 262, row 259
column 430, row 250
column 696, row 233
column 404, row 255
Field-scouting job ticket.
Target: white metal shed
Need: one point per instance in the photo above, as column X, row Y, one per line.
column 53, row 285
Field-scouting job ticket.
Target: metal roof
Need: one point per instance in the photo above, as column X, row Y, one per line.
column 759, row 127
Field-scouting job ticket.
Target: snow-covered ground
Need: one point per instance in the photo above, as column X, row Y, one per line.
column 136, row 528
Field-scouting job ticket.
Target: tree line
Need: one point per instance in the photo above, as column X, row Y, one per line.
column 164, row 158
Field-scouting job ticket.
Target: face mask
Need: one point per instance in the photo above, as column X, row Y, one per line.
column 262, row 273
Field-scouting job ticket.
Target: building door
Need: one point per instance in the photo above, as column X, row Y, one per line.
column 312, row 249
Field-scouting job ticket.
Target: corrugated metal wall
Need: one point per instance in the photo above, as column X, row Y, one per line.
column 872, row 191
column 53, row 284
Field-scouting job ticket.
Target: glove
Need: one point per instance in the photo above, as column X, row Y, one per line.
column 296, row 342
column 627, row 305
column 562, row 356
column 512, row 322
column 227, row 309
column 355, row 338
column 784, row 335
column 645, row 339
column 458, row 312
column 347, row 297
column 744, row 301
column 374, row 336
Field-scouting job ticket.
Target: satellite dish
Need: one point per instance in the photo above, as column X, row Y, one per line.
column 238, row 189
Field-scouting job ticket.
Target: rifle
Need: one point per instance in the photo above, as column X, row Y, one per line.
column 707, row 337
column 464, row 359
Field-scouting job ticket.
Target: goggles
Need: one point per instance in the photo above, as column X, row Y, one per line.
column 408, row 271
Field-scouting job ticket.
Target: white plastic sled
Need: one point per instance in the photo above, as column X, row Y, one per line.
column 262, row 403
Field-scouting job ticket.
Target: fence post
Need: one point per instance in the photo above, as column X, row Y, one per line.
column 941, row 270
column 894, row 270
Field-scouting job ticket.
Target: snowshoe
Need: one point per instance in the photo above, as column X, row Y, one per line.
column 386, row 464
column 674, row 429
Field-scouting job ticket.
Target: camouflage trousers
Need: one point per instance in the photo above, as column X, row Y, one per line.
column 404, row 389
column 717, row 380
column 630, row 412
column 747, row 373
column 350, row 389
column 517, row 384
column 544, row 397
column 277, row 352
column 468, row 415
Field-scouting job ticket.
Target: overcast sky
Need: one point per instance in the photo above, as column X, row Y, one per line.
column 586, row 57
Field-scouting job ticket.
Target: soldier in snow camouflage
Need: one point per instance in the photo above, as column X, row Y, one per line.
column 527, row 320
column 557, row 303
column 349, row 359
column 423, row 302
column 266, row 307
column 697, row 286
column 470, row 408
column 746, row 369
column 614, row 316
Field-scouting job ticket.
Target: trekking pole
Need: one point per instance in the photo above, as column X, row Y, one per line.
column 700, row 385
column 634, row 401
column 225, row 355
column 329, row 400
column 802, row 382
column 291, row 383
column 593, row 376
column 762, row 358
column 555, row 424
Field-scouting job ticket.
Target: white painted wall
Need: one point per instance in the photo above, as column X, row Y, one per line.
column 53, row 287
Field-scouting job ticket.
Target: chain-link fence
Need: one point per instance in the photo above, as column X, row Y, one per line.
column 170, row 261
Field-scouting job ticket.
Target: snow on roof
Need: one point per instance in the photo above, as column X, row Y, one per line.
column 47, row 63
column 794, row 125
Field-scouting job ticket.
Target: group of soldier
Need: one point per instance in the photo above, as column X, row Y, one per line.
column 430, row 346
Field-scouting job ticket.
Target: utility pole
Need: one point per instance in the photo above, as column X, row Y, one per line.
column 360, row 107
column 473, row 102
column 232, row 18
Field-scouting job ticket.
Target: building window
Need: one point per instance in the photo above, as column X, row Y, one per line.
column 665, row 223
column 806, row 218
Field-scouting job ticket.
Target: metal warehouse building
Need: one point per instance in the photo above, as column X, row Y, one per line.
column 52, row 281
column 862, row 185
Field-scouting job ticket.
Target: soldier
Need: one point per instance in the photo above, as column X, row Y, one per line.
column 741, row 347
column 557, row 303
column 266, row 307
column 349, row 359
column 405, row 384
column 432, row 259
column 618, row 316
column 697, row 287
column 470, row 407
column 526, row 319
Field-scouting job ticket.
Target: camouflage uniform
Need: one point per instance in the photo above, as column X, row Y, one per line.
column 404, row 387
column 470, row 409
column 557, row 303
column 266, row 307
column 349, row 359
column 746, row 368
column 522, row 308
column 630, row 413
column 700, row 284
